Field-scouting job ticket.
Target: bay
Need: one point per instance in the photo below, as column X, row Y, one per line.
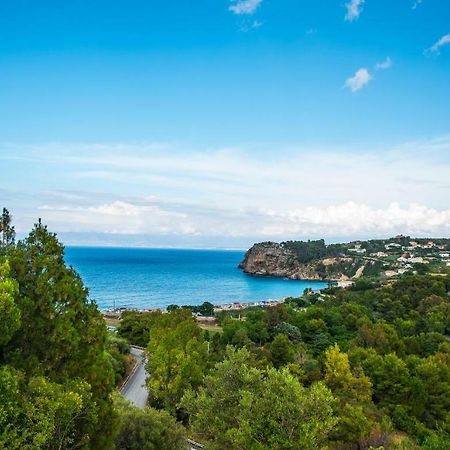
column 154, row 278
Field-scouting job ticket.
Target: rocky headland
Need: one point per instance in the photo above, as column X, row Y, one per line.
column 271, row 259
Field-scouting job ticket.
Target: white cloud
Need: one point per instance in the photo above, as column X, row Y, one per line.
column 416, row 4
column 354, row 8
column 436, row 47
column 359, row 80
column 117, row 217
column 242, row 7
column 386, row 64
column 233, row 194
column 347, row 219
column 356, row 219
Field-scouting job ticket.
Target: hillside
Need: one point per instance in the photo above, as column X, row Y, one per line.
column 314, row 260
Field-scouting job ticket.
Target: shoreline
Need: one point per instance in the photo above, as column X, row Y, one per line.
column 233, row 306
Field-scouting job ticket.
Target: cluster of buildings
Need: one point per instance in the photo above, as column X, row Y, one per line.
column 400, row 256
column 413, row 253
column 238, row 305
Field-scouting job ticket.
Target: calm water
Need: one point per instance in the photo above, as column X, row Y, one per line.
column 155, row 278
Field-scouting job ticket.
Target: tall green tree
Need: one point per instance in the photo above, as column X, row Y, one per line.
column 7, row 232
column 62, row 335
column 178, row 358
column 9, row 312
column 282, row 351
column 354, row 394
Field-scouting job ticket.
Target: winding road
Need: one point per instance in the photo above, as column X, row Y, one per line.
column 134, row 388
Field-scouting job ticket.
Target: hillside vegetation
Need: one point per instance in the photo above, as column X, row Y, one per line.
column 365, row 367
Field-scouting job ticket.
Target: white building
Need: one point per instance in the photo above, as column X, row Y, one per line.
column 380, row 254
column 360, row 251
column 417, row 260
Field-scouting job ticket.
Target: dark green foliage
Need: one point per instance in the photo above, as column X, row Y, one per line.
column 281, row 350
column 291, row 331
column 135, row 327
column 243, row 407
column 396, row 337
column 313, row 250
column 171, row 308
column 147, row 429
column 177, row 358
column 7, row 232
column 118, row 350
column 205, row 309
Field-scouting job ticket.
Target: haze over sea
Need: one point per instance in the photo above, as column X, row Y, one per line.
column 155, row 278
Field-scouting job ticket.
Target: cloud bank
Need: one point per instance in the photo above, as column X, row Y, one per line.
column 229, row 196
column 348, row 220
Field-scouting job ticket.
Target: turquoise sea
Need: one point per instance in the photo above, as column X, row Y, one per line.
column 155, row 278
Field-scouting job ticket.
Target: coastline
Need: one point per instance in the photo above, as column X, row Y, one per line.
column 233, row 306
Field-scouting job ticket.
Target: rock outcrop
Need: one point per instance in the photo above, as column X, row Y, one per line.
column 270, row 259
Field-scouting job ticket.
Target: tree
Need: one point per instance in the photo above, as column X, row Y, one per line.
column 353, row 392
column 177, row 358
column 7, row 232
column 340, row 379
column 135, row 326
column 147, row 429
column 62, row 334
column 291, row 331
column 118, row 351
column 172, row 307
column 9, row 312
column 39, row 414
column 281, row 350
column 241, row 406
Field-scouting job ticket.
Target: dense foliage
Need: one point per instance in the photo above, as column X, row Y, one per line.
column 147, row 429
column 243, row 407
column 307, row 251
column 178, row 358
column 375, row 358
column 205, row 309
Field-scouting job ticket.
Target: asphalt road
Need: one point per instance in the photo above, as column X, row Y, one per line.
column 135, row 390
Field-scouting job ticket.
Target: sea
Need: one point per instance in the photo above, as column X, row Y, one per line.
column 155, row 278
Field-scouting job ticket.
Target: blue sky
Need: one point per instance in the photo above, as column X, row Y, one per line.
column 217, row 122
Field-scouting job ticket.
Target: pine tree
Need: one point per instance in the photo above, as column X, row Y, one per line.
column 7, row 232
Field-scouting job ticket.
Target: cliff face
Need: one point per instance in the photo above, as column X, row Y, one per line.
column 271, row 259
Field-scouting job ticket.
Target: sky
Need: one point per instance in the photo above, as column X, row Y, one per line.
column 219, row 123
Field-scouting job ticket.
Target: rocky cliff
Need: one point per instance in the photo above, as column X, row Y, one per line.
column 271, row 259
